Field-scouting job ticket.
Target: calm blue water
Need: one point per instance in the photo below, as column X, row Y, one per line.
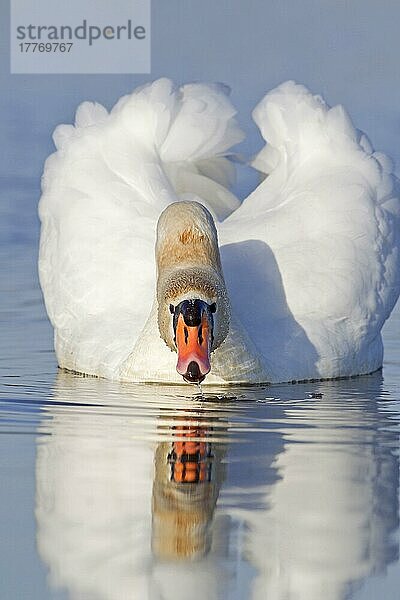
column 113, row 491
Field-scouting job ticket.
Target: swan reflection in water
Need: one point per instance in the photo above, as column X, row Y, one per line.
column 160, row 496
column 187, row 479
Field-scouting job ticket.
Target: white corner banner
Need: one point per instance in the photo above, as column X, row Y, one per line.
column 80, row 36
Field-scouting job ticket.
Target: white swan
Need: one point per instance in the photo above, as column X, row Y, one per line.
column 310, row 260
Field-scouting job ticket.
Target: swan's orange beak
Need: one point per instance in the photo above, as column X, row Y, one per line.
column 194, row 346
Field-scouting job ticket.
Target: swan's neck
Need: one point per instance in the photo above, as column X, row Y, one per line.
column 186, row 236
column 189, row 266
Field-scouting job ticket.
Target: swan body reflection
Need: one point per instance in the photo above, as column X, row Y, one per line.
column 149, row 497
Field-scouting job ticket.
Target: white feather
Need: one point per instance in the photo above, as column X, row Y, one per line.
column 312, row 255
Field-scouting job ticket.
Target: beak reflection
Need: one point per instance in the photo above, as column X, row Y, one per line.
column 188, row 477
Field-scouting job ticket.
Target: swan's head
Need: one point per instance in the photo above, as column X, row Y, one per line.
column 193, row 306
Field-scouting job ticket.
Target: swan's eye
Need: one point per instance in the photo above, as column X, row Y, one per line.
column 213, row 307
column 171, row 309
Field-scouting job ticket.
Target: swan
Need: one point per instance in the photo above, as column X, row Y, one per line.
column 153, row 271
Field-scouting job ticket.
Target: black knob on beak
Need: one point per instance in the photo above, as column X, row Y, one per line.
column 193, row 374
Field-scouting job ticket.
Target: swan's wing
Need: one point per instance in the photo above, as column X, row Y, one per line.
column 103, row 190
column 312, row 256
